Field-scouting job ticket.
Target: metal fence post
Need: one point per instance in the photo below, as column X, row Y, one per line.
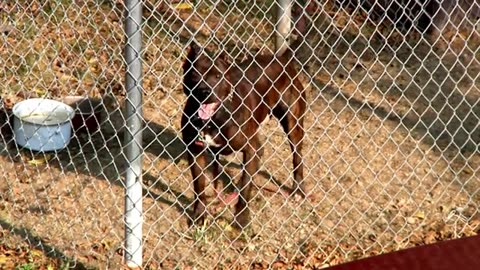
column 283, row 25
column 133, row 134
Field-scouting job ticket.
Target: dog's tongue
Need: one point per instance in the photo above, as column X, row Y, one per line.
column 206, row 111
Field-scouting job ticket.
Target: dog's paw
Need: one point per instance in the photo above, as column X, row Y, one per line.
column 197, row 217
column 242, row 221
column 298, row 195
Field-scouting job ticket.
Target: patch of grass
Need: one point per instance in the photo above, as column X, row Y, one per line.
column 26, row 266
column 202, row 234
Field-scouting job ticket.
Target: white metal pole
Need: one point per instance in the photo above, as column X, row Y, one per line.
column 133, row 134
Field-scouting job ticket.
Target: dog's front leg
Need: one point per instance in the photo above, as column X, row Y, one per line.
column 251, row 161
column 198, row 164
column 217, row 171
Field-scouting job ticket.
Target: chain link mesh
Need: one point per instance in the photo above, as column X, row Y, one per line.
column 391, row 146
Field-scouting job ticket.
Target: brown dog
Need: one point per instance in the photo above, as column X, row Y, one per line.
column 226, row 104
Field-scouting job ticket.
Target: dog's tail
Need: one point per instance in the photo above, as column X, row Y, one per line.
column 302, row 23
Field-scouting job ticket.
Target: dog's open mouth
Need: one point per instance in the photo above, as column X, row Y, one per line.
column 207, row 110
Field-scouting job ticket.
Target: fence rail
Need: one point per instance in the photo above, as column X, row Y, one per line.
column 391, row 151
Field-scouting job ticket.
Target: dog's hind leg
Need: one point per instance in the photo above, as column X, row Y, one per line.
column 291, row 119
column 251, row 160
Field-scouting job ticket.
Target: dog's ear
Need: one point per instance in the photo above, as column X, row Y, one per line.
column 193, row 51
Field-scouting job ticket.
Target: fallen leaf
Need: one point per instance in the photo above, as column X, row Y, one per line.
column 225, row 226
column 183, row 6
column 420, row 215
column 93, row 60
column 4, row 259
column 39, row 161
column 36, row 253
column 411, row 220
column 67, row 78
column 36, row 162
column 250, row 247
column 40, row 92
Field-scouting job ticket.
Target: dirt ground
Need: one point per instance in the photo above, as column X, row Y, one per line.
column 391, row 149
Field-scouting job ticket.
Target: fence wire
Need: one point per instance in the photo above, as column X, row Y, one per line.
column 391, row 152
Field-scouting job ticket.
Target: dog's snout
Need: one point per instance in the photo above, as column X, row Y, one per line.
column 205, row 91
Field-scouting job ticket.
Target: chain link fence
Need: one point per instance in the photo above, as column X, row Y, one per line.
column 391, row 146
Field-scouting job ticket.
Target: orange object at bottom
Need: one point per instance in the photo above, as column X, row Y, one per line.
column 459, row 254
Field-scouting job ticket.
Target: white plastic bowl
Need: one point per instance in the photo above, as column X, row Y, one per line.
column 42, row 124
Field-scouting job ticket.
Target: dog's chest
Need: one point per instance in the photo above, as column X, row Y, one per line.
column 209, row 139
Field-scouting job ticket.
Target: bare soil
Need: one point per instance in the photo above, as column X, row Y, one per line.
column 391, row 149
